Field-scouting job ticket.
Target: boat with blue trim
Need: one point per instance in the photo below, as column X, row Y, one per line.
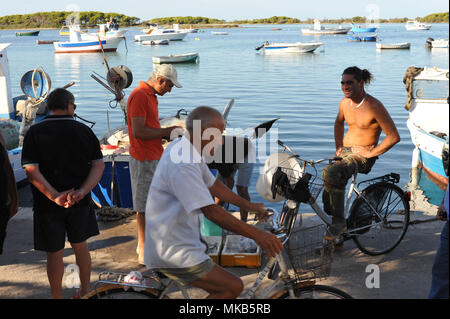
column 77, row 45
column 428, row 106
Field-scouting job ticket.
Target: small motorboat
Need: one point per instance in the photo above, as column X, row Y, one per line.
column 393, row 46
column 219, row 33
column 177, row 58
column 363, row 29
column 156, row 32
column 298, row 47
column 438, row 43
column 321, row 30
column 27, row 34
column 413, row 25
column 155, row 42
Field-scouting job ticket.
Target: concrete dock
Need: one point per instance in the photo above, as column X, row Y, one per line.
column 405, row 273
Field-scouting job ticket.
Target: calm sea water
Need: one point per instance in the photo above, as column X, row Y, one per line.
column 302, row 89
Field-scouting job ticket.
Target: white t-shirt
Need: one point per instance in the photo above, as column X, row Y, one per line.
column 180, row 187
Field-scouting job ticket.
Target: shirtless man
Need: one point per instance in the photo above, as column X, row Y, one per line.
column 366, row 118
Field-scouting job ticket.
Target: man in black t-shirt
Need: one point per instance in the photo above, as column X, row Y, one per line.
column 63, row 162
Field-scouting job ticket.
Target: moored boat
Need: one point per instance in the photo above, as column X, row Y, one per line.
column 156, row 32
column 177, row 58
column 77, row 45
column 413, row 25
column 438, row 43
column 298, row 47
column 363, row 29
column 393, row 46
column 219, row 33
column 427, row 104
column 27, row 33
column 318, row 29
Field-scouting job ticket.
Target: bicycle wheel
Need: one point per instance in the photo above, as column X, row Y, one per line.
column 314, row 292
column 379, row 232
column 120, row 292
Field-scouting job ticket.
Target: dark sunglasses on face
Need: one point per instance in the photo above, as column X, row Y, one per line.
column 346, row 82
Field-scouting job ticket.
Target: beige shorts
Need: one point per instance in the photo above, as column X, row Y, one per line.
column 141, row 174
column 190, row 274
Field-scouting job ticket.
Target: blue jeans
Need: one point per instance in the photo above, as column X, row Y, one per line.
column 439, row 280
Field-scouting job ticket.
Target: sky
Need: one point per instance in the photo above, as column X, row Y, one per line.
column 237, row 9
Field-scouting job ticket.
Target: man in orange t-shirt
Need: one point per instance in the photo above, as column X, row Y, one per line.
column 146, row 134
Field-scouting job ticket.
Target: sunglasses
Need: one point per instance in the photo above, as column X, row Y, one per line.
column 347, row 82
column 74, row 106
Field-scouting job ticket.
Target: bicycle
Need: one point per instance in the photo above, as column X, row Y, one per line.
column 378, row 218
column 305, row 251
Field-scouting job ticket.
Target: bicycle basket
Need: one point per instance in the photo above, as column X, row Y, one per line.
column 291, row 184
column 309, row 254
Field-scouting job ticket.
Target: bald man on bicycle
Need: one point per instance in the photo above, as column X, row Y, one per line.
column 366, row 118
column 182, row 189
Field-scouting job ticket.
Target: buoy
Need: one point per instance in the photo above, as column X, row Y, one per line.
column 197, row 39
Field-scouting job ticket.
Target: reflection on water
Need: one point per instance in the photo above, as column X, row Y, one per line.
column 426, row 193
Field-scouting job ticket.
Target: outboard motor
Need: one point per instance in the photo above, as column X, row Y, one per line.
column 428, row 43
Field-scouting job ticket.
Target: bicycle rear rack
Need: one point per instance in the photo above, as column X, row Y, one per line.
column 388, row 178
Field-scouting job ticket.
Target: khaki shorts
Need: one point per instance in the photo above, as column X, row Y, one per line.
column 189, row 274
column 141, row 174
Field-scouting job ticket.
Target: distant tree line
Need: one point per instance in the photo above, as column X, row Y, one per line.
column 185, row 20
column 56, row 19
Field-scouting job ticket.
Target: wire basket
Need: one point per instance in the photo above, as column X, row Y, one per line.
column 296, row 185
column 309, row 254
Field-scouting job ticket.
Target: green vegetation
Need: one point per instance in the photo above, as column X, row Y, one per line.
column 272, row 20
column 185, row 20
column 56, row 19
column 436, row 17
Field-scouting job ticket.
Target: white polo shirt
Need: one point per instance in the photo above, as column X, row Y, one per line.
column 180, row 187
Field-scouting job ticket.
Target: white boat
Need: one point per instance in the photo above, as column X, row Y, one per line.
column 105, row 32
column 77, row 45
column 219, row 33
column 428, row 118
column 177, row 58
column 413, row 25
column 393, row 46
column 298, row 47
column 318, row 29
column 156, row 32
column 155, row 42
column 436, row 44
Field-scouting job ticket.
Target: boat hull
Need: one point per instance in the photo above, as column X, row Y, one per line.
column 109, row 45
column 277, row 48
column 393, row 46
column 177, row 36
column 182, row 58
column 363, row 29
column 325, row 31
column 27, row 34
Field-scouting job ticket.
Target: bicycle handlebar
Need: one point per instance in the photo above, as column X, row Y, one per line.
column 336, row 158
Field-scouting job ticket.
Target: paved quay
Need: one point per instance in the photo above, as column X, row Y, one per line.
column 405, row 273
